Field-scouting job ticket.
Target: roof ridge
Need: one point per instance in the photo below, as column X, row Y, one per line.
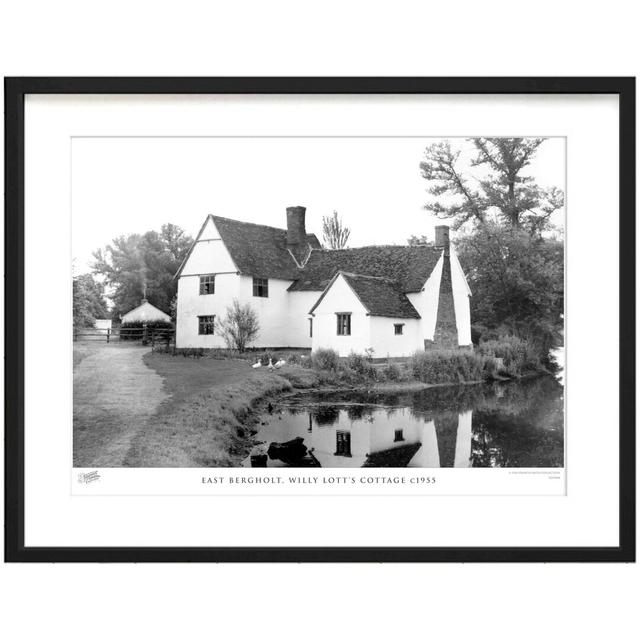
column 353, row 274
column 381, row 246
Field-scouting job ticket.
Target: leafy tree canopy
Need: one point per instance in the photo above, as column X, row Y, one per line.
column 502, row 186
column 140, row 266
column 517, row 282
column 88, row 301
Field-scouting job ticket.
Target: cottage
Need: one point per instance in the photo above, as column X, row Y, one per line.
column 391, row 299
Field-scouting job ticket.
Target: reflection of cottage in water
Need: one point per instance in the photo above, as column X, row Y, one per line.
column 365, row 436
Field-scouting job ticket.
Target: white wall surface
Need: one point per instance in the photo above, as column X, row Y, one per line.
column 278, row 326
column 341, row 299
column 386, row 343
column 299, row 305
column 209, row 255
column 426, row 302
column 461, row 302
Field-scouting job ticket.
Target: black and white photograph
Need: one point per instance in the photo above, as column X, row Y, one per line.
column 339, row 302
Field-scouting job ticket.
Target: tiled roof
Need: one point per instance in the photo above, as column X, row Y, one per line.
column 409, row 267
column 381, row 296
column 258, row 250
column 261, row 251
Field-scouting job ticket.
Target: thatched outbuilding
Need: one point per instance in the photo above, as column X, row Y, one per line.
column 146, row 313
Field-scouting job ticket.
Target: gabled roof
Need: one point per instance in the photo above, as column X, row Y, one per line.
column 256, row 249
column 379, row 296
column 259, row 250
column 409, row 267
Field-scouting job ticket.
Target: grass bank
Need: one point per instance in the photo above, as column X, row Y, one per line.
column 211, row 413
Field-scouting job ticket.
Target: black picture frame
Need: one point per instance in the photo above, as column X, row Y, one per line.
column 15, row 91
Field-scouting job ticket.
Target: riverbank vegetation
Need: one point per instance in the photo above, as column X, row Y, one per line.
column 496, row 359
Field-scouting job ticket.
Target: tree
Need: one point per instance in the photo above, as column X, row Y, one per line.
column 517, row 282
column 240, row 326
column 518, row 201
column 142, row 266
column 334, row 234
column 88, row 301
column 414, row 241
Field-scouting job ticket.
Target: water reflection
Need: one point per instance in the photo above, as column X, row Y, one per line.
column 515, row 424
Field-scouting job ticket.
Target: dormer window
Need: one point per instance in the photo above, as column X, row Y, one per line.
column 207, row 284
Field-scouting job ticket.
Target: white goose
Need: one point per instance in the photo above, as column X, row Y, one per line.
column 280, row 362
column 257, row 365
column 270, row 365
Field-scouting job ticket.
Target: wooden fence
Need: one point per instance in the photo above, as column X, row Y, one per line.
column 147, row 335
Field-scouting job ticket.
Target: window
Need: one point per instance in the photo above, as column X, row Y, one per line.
column 260, row 287
column 397, row 329
column 311, row 327
column 343, row 443
column 205, row 325
column 344, row 324
column 207, row 284
column 397, row 435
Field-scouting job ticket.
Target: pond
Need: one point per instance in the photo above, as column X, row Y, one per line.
column 504, row 424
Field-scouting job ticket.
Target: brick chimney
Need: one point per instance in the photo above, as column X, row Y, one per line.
column 296, row 232
column 442, row 238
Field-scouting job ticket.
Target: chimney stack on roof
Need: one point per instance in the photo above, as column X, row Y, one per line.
column 442, row 238
column 296, row 232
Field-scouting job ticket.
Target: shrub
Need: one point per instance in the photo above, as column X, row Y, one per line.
column 361, row 366
column 325, row 360
column 240, row 326
column 517, row 355
column 392, row 372
column 439, row 367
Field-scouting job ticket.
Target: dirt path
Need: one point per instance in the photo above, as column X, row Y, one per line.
column 114, row 395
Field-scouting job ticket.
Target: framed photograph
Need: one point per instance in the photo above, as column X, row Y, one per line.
column 320, row 319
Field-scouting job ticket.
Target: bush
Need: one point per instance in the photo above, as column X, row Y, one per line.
column 518, row 356
column 440, row 367
column 325, row 360
column 392, row 372
column 240, row 326
column 361, row 365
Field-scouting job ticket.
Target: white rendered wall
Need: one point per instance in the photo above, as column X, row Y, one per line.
column 299, row 305
column 191, row 305
column 426, row 302
column 209, row 255
column 278, row 326
column 275, row 321
column 340, row 299
column 386, row 343
column 461, row 302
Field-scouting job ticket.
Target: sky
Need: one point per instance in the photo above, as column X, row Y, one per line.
column 132, row 185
